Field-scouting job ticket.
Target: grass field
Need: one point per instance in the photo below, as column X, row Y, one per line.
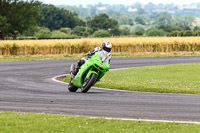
column 46, row 123
column 24, row 58
column 180, row 78
column 80, row 46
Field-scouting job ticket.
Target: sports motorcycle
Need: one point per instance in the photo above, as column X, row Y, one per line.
column 89, row 73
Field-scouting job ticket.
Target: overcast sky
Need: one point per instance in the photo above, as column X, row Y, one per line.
column 124, row 2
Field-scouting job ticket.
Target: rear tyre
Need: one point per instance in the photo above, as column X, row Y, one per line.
column 71, row 87
column 87, row 84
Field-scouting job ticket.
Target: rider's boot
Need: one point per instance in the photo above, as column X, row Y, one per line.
column 75, row 68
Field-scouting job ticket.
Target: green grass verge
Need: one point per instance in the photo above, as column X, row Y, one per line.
column 46, row 123
column 115, row 55
column 126, row 55
column 35, row 58
column 180, row 78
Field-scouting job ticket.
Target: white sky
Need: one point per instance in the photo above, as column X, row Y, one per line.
column 124, row 2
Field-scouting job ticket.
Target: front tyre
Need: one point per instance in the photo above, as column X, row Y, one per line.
column 87, row 84
column 71, row 87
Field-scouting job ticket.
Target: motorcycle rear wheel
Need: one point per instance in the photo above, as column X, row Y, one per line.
column 88, row 83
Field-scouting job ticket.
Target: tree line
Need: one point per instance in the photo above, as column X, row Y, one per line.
column 33, row 19
column 17, row 16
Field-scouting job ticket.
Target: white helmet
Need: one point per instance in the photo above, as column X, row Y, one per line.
column 106, row 45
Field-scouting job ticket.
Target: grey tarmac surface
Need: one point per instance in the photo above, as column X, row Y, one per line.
column 26, row 86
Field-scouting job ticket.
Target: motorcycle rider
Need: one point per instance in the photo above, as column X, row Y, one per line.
column 105, row 49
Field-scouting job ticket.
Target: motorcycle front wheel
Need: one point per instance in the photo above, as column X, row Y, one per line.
column 71, row 87
column 87, row 84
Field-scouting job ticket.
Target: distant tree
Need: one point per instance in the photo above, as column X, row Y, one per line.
column 136, row 28
column 150, row 6
column 184, row 33
column 58, row 34
column 101, row 33
column 163, row 19
column 125, row 30
column 18, row 16
column 155, row 32
column 181, row 33
column 174, row 33
column 139, row 20
column 198, row 33
column 177, row 20
column 189, row 20
column 43, row 33
column 55, row 18
column 154, row 16
column 184, row 27
column 139, row 33
column 169, row 28
column 93, row 11
column 102, row 21
column 81, row 11
column 196, row 28
column 3, row 27
column 130, row 21
column 124, row 20
column 184, row 21
column 141, row 11
column 66, row 30
column 79, row 30
column 115, row 31
column 89, row 30
column 31, row 31
column 189, row 33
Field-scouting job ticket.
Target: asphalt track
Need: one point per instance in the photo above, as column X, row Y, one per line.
column 26, row 86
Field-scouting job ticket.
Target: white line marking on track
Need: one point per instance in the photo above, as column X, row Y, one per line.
column 148, row 120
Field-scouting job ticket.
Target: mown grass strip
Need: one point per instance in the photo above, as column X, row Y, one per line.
column 35, row 58
column 39, row 123
column 180, row 78
column 78, row 56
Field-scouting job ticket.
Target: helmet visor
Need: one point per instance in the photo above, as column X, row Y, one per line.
column 107, row 49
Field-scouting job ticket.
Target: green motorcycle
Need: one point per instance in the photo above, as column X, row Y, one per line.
column 89, row 73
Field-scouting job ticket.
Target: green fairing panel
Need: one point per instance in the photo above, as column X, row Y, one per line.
column 90, row 72
column 78, row 79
